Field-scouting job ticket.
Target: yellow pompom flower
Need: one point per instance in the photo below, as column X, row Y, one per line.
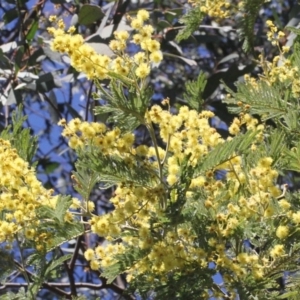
column 137, row 23
column 282, row 232
column 89, row 254
column 143, row 15
column 95, row 264
column 156, row 56
column 277, row 251
column 142, row 70
column 296, row 217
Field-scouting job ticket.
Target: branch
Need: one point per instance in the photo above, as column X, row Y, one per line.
column 57, row 288
column 70, row 275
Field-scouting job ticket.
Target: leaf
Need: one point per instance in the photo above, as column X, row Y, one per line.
column 173, row 14
column 54, row 56
column 32, row 31
column 109, row 8
column 45, row 212
column 8, row 99
column 20, row 138
column 112, row 272
column 295, row 30
column 223, row 152
column 21, row 295
column 18, row 58
column 227, row 75
column 188, row 61
column 51, row 166
column 56, row 263
column 228, row 58
column 8, row 47
column 191, row 20
column 89, row 14
column 62, row 205
column 293, row 158
column 4, row 61
column 247, row 22
column 74, row 20
column 107, row 31
column 65, row 232
column 21, row 85
column 162, row 24
column 47, row 82
column 6, row 264
column 194, row 91
column 27, row 74
column 101, row 48
column 111, row 169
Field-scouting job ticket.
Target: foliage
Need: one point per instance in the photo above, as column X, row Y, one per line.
column 192, row 213
column 20, row 138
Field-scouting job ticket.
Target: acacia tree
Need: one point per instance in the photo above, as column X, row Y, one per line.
column 188, row 203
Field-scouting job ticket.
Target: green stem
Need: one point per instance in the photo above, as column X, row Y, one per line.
column 160, row 167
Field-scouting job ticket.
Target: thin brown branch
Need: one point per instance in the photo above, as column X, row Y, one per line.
column 70, row 276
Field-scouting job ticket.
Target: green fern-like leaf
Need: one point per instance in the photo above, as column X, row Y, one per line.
column 63, row 233
column 6, row 264
column 62, row 205
column 19, row 137
column 57, row 214
column 194, row 90
column 191, row 20
column 112, row 169
column 53, row 264
column 125, row 261
column 267, row 101
column 251, row 9
column 276, row 144
column 112, row 272
column 21, row 295
column 125, row 109
column 86, row 179
column 292, row 158
column 223, row 152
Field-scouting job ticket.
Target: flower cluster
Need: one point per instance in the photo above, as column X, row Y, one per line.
column 84, row 58
column 281, row 69
column 82, row 133
column 219, row 9
column 135, row 219
column 21, row 195
column 274, row 35
column 152, row 220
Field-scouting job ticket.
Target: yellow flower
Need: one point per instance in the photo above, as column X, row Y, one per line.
column 89, row 254
column 156, row 56
column 142, row 70
column 171, row 179
column 234, row 129
column 95, row 264
column 284, row 204
column 277, row 251
column 296, row 217
column 72, row 29
column 152, row 45
column 52, row 18
column 282, row 232
column 137, row 23
column 121, row 35
column 143, row 15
